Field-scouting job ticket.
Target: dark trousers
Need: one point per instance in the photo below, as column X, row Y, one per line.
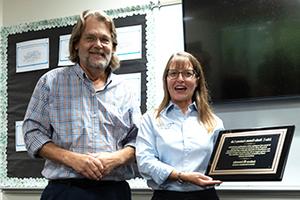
column 209, row 194
column 83, row 189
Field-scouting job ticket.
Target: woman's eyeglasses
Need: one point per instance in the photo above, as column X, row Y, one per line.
column 186, row 74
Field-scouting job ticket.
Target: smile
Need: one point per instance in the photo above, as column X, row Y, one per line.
column 180, row 88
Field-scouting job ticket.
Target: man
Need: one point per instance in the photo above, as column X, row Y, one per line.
column 82, row 119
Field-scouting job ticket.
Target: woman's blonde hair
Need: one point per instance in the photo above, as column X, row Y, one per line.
column 200, row 96
column 79, row 28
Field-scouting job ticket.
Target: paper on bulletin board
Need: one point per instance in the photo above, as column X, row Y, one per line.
column 63, row 56
column 19, row 138
column 129, row 42
column 32, row 55
column 134, row 82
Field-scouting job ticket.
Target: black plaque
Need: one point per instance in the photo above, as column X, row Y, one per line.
column 258, row 154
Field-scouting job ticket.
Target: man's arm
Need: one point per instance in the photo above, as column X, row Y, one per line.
column 86, row 165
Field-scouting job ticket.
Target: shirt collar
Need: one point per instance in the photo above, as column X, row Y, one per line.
column 171, row 106
column 112, row 79
column 79, row 71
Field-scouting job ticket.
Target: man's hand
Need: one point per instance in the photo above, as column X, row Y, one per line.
column 86, row 165
column 112, row 160
column 108, row 160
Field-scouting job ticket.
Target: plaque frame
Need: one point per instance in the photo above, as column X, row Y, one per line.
column 256, row 154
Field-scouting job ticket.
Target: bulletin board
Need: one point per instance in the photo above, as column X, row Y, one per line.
column 17, row 169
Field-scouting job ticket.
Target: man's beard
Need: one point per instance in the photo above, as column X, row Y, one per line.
column 102, row 65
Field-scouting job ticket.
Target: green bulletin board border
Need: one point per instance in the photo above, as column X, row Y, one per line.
column 38, row 183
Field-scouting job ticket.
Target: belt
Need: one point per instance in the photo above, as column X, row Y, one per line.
column 85, row 183
column 167, row 194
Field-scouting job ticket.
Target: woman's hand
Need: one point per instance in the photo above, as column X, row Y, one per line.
column 198, row 179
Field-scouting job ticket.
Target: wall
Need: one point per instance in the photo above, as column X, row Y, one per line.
column 234, row 115
column 18, row 11
column 1, row 12
column 34, row 10
column 255, row 114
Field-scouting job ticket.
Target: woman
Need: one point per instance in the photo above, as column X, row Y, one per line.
column 175, row 142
